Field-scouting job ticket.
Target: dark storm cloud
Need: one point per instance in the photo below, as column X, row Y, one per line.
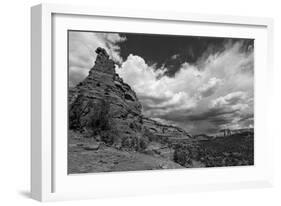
column 197, row 124
column 226, row 111
column 215, row 115
column 208, row 122
column 246, row 117
column 247, row 122
column 151, row 99
column 160, row 51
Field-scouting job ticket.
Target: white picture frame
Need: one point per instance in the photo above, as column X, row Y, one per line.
column 48, row 180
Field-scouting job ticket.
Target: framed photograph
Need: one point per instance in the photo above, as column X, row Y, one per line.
column 138, row 102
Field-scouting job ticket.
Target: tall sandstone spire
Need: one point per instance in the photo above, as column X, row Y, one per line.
column 103, row 106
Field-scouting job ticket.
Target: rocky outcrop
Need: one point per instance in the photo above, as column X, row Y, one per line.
column 105, row 107
column 166, row 133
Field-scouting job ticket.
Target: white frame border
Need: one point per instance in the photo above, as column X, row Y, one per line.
column 42, row 85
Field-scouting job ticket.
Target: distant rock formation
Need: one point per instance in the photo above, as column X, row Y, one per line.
column 229, row 132
column 244, row 130
column 103, row 106
column 202, row 137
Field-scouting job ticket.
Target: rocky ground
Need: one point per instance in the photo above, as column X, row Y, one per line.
column 88, row 156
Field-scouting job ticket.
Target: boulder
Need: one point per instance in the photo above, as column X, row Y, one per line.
column 93, row 146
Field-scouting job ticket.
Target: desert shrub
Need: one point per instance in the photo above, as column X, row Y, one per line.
column 108, row 137
column 131, row 125
column 100, row 123
column 98, row 120
column 181, row 156
column 143, row 144
column 127, row 142
column 135, row 143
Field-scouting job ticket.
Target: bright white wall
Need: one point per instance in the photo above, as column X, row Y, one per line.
column 15, row 95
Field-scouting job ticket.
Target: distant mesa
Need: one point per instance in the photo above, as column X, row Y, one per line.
column 228, row 132
column 202, row 137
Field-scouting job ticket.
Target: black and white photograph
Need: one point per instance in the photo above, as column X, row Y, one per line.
column 141, row 102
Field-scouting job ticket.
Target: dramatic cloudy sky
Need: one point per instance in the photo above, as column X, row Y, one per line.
column 201, row 84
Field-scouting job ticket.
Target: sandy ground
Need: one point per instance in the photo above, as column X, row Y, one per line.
column 84, row 158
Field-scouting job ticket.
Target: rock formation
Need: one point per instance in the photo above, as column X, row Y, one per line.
column 104, row 106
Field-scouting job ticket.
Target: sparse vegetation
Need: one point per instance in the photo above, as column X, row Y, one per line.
column 233, row 150
column 182, row 156
column 98, row 120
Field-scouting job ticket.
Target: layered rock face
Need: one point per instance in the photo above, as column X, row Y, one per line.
column 165, row 132
column 103, row 106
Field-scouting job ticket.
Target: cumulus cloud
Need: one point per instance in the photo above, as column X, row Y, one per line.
column 215, row 91
column 162, row 94
column 82, row 46
column 210, row 87
column 229, row 99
